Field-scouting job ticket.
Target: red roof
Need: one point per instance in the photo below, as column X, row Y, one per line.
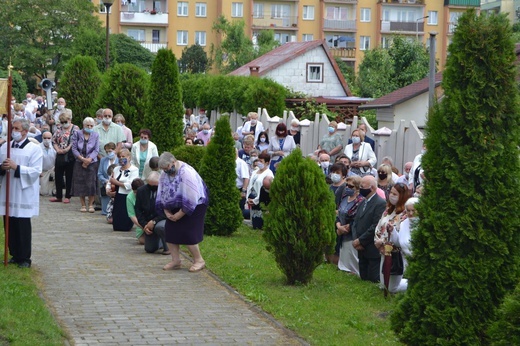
column 285, row 53
column 404, row 94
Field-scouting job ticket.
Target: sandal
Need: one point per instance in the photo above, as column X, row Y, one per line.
column 83, row 209
column 91, row 210
column 197, row 267
column 172, row 266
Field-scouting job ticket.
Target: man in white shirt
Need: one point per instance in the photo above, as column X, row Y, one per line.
column 242, row 180
column 109, row 132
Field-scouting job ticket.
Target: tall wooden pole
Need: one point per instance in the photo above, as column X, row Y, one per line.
column 7, row 178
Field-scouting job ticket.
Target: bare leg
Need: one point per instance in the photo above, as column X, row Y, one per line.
column 82, row 200
column 176, row 258
column 90, row 201
column 198, row 261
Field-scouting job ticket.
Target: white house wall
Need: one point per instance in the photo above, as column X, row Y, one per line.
column 293, row 75
column 415, row 109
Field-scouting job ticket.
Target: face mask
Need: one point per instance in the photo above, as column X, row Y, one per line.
column 111, row 155
column 98, row 121
column 60, row 107
column 331, row 130
column 294, row 129
column 153, row 188
column 325, row 164
column 46, row 142
column 253, row 158
column 253, row 122
column 335, row 177
column 260, row 165
column 120, row 124
column 364, row 192
column 17, row 136
column 65, row 126
column 262, row 140
column 107, row 121
column 40, row 102
column 88, row 130
column 29, row 99
column 423, row 151
column 205, row 132
column 356, row 140
column 143, row 141
column 393, row 199
column 123, row 161
column 349, row 192
column 170, row 171
column 413, row 219
column 382, row 176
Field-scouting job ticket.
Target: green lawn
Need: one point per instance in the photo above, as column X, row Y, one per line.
column 334, row 309
column 24, row 317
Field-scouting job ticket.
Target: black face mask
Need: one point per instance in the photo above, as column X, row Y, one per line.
column 349, row 192
column 153, row 188
column 364, row 192
column 382, row 176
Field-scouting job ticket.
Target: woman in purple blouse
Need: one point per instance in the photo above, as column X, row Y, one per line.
column 182, row 197
column 85, row 147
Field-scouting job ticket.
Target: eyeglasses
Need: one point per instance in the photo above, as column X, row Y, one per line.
column 64, row 122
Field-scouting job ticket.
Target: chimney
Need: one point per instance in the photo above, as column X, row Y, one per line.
column 254, row 70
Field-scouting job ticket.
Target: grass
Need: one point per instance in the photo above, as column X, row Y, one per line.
column 24, row 317
column 335, row 308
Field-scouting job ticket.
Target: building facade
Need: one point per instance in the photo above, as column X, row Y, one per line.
column 350, row 27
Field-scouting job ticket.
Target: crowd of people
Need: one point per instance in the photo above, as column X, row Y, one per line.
column 135, row 188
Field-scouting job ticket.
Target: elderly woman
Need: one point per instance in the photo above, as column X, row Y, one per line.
column 119, row 119
column 118, row 187
column 348, row 201
column 103, row 176
column 332, row 141
column 85, row 147
column 253, row 126
column 384, row 179
column 294, row 131
column 183, row 198
column 361, row 154
column 254, row 187
column 391, row 222
column 142, row 152
column 281, row 145
column 62, row 143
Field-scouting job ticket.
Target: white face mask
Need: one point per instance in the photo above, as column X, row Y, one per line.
column 262, row 139
column 325, row 164
column 60, row 107
column 107, row 121
column 393, row 199
column 46, row 142
column 260, row 165
column 356, row 140
column 335, row 177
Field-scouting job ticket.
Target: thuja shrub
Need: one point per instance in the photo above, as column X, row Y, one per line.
column 217, row 169
column 299, row 222
column 466, row 248
column 505, row 330
column 191, row 154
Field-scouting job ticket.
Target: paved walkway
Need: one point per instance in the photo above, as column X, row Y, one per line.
column 106, row 290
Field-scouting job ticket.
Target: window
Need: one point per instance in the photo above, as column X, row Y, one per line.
column 364, row 43
column 280, row 11
column 103, row 9
column 137, row 6
column 386, row 42
column 156, row 36
column 182, row 38
column 307, row 37
column 157, row 6
column 365, row 15
column 182, row 8
column 200, row 9
column 200, row 38
column 237, row 9
column 314, row 73
column 258, row 10
column 136, row 34
column 336, row 13
column 308, row 12
column 282, row 38
column 432, row 18
column 386, row 16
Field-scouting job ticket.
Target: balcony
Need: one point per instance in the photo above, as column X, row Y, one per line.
column 394, row 27
column 464, row 3
column 404, row 2
column 334, row 24
column 267, row 21
column 153, row 47
column 341, row 1
column 159, row 18
column 344, row 53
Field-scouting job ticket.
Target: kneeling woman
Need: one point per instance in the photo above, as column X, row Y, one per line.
column 183, row 197
column 119, row 186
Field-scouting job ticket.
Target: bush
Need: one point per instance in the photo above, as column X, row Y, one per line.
column 299, row 223
column 164, row 112
column 81, row 80
column 191, row 154
column 218, row 171
column 466, row 246
column 19, row 85
column 506, row 330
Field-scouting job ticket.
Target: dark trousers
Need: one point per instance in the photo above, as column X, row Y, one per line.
column 20, row 238
column 153, row 241
column 369, row 267
column 59, row 171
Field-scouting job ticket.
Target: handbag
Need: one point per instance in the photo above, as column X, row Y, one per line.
column 64, row 159
column 397, row 267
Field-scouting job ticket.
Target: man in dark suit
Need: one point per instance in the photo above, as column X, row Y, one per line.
column 153, row 224
column 363, row 229
column 367, row 139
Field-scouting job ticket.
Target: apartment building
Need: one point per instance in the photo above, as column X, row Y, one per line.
column 350, row 27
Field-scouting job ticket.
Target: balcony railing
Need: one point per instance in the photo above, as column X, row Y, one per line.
column 266, row 20
column 159, row 18
column 347, row 53
column 401, row 26
column 339, row 24
column 406, row 2
column 465, row 3
column 153, row 47
column 342, row 1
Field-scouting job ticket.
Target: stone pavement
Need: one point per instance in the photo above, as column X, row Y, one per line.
column 105, row 290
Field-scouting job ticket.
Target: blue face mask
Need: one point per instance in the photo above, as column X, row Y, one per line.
column 111, row 155
column 331, row 129
column 88, row 130
column 123, row 161
column 143, row 141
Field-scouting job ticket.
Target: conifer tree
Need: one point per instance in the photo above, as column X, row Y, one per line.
column 79, row 84
column 165, row 111
column 218, row 172
column 299, row 222
column 505, row 330
column 466, row 248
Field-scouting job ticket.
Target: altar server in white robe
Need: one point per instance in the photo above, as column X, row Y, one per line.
column 24, row 167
